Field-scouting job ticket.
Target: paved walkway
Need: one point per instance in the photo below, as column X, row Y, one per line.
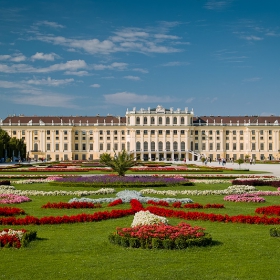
column 274, row 169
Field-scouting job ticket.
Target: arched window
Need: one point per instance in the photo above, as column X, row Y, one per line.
column 35, row 146
column 160, row 120
column 167, row 120
column 183, row 146
column 138, row 146
column 153, row 146
column 152, row 120
column 160, row 146
column 145, row 146
column 167, row 146
column 175, row 146
column 182, row 120
column 175, row 120
column 137, row 120
column 128, row 146
column 145, row 120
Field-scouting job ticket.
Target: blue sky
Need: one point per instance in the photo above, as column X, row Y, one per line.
column 104, row 56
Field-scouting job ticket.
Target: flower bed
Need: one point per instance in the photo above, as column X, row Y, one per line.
column 258, row 182
column 11, row 211
column 13, row 198
column 16, row 238
column 117, row 181
column 269, row 210
column 75, row 205
column 246, row 197
column 188, row 205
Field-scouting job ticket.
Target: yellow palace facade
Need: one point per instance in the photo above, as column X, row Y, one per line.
column 148, row 134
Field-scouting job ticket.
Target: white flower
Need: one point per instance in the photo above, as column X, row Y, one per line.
column 142, row 218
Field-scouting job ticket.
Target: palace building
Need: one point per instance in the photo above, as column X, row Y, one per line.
column 149, row 134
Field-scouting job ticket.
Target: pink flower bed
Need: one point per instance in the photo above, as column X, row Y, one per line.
column 245, row 197
column 13, row 198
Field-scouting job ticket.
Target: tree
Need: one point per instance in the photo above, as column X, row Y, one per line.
column 4, row 142
column 240, row 161
column 120, row 162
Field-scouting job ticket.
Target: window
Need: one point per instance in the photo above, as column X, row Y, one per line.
column 23, row 132
column 234, row 132
column 65, row 132
column 183, row 146
column 160, row 120
column 127, row 146
column 84, row 146
column 115, row 146
column 57, row 146
column 234, row 146
column 108, row 132
column 227, row 132
column 108, row 146
column 57, row 132
column 196, row 146
column 145, row 146
column 65, row 147
column 210, row 132
column 101, row 132
column 253, row 132
column 203, row 146
column 167, row 132
column 48, row 132
column 65, row 138
column 145, row 132
column 167, row 120
column 270, row 146
column 122, row 132
column 101, row 146
column 167, row 146
column 174, row 120
column 270, row 132
column 153, row 146
column 182, row 120
column 76, row 132
column 196, row 132
column 160, row 146
column 56, row 138
column 90, row 132
column 253, row 146
column 152, row 132
column 262, row 146
column 211, row 146
column 138, row 146
column 35, row 132
column 48, row 147
column 48, row 138
column 152, row 120
column 182, row 132
column 218, row 132
column 203, row 132
column 137, row 120
column 218, row 146
column 261, row 132
column 227, row 146
column 241, row 132
column 160, row 132
column 175, row 132
column 128, row 132
column 123, row 146
column 137, row 132
column 175, row 146
column 76, row 146
column 14, row 132
column 115, row 132
column 91, row 146
column 241, row 147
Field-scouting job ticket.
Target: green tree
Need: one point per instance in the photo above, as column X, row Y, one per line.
column 120, row 162
column 240, row 161
column 4, row 142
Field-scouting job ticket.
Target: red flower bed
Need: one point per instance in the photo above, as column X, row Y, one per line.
column 66, row 205
column 269, row 210
column 115, row 202
column 188, row 205
column 11, row 211
column 247, row 219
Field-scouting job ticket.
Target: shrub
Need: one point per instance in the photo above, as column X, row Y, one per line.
column 275, row 232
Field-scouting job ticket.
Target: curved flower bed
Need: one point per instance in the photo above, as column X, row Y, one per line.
column 161, row 236
column 16, row 238
column 188, row 205
column 115, row 181
column 246, row 197
column 269, row 210
column 11, row 211
column 75, row 205
column 13, row 198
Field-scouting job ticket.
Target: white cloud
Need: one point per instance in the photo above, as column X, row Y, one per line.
column 5, row 57
column 95, row 86
column 8, row 84
column 217, row 5
column 133, row 78
column 175, row 63
column 190, row 100
column 24, row 68
column 128, row 98
column 15, row 57
column 42, row 56
column 144, row 71
column 49, row 82
column 77, row 73
column 50, row 24
column 164, row 36
column 114, row 65
column 252, row 38
column 254, row 79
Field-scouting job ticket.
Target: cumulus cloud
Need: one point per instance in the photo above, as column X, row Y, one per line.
column 49, row 82
column 17, row 57
column 95, row 86
column 128, row 98
column 42, row 56
column 77, row 73
column 133, row 78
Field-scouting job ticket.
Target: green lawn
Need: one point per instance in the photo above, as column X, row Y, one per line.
column 82, row 251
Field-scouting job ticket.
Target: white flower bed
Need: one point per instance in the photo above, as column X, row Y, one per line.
column 143, row 218
column 126, row 196
column 6, row 187
column 56, row 193
column 238, row 189
column 210, row 182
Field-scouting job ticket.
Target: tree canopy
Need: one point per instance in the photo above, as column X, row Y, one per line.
column 120, row 162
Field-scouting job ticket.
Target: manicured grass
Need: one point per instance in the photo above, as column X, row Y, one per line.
column 82, row 251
